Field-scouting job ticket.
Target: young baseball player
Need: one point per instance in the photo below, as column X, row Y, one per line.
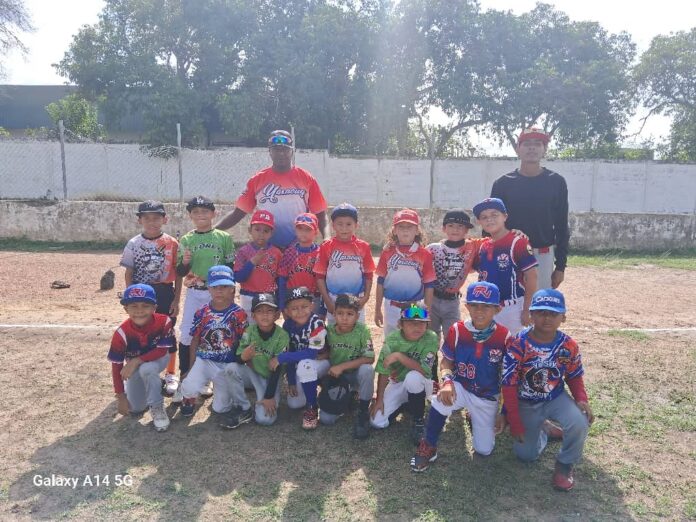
column 506, row 259
column 150, row 258
column 535, row 366
column 306, row 361
column 345, row 264
column 405, row 272
column 351, row 356
column 217, row 328
column 143, row 342
column 472, row 357
column 256, row 263
column 199, row 250
column 404, row 367
column 261, row 342
column 297, row 264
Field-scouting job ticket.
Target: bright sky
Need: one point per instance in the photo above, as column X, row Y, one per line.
column 56, row 22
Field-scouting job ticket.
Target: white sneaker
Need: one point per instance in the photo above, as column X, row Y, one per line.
column 159, row 417
column 207, row 391
column 171, row 384
column 178, row 397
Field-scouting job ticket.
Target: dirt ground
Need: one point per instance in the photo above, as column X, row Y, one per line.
column 59, row 419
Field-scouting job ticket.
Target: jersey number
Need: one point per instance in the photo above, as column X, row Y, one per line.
column 466, row 370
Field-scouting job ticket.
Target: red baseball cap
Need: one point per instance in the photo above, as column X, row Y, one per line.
column 263, row 217
column 406, row 216
column 533, row 133
column 308, row 220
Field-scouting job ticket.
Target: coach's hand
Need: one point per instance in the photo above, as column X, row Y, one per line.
column 557, row 278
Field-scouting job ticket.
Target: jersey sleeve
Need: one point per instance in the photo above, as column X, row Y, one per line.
column 511, row 362
column 368, row 262
column 428, row 268
column 524, row 256
column 228, row 250
column 322, row 262
column 386, row 350
column 241, row 258
column 128, row 257
column 197, row 324
column 246, row 202
column 368, row 349
column 574, row 367
column 244, row 342
column 117, row 350
column 315, row 201
column 430, row 352
column 317, row 335
column 381, row 270
column 167, row 339
column 450, row 343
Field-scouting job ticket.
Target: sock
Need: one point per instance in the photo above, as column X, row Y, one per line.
column 310, row 391
column 183, row 358
column 364, row 406
column 416, row 405
column 171, row 367
column 436, row 421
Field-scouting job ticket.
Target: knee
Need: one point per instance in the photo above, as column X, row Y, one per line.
column 149, row 369
column 295, row 403
column 262, row 419
column 233, row 370
column 306, row 371
column 484, row 448
column 525, row 453
column 414, row 382
column 327, row 419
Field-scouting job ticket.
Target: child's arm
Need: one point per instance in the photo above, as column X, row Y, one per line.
column 321, row 285
column 183, row 267
column 530, row 286
column 368, row 288
column 378, row 404
column 428, row 297
column 379, row 298
column 406, row 361
column 447, row 394
column 129, row 276
column 338, row 369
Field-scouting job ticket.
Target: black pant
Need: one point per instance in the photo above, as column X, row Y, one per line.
column 165, row 297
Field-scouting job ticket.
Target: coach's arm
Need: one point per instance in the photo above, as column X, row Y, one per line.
column 231, row 219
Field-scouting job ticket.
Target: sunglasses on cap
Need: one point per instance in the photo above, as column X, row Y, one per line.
column 414, row 312
column 279, row 140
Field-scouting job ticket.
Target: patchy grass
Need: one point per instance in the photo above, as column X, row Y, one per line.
column 634, row 335
column 683, row 259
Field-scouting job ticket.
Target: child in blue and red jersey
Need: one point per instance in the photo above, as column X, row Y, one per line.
column 143, row 342
column 472, row 356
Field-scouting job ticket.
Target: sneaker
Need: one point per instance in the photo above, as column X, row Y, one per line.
column 563, row 477
column 187, row 407
column 207, row 392
column 553, row 430
column 425, row 454
column 310, row 418
column 361, row 425
column 236, row 418
column 159, row 417
column 417, row 429
column 171, row 384
column 178, row 395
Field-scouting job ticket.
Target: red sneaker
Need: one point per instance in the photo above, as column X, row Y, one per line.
column 310, row 419
column 563, row 477
column 425, row 455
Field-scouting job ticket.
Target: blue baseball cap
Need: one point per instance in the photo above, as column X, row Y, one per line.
column 344, row 210
column 489, row 203
column 139, row 293
column 483, row 292
column 220, row 275
column 548, row 299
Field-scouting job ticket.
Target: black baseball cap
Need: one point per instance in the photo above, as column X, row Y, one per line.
column 459, row 217
column 263, row 299
column 150, row 207
column 301, row 292
column 200, row 201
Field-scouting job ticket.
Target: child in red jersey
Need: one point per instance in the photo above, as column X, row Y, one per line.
column 256, row 263
column 143, row 343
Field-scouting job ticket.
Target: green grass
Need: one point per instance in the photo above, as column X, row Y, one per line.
column 683, row 259
column 634, row 335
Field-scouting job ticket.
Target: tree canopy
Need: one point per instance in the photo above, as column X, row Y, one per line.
column 14, row 20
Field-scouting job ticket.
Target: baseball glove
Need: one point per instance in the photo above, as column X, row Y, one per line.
column 107, row 280
column 57, row 285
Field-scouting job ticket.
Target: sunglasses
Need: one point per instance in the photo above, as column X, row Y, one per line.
column 415, row 312
column 280, row 140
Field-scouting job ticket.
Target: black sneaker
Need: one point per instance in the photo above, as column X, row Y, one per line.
column 361, row 425
column 187, row 407
column 417, row 430
column 236, row 419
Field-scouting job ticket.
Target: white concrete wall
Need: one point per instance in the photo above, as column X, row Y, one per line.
column 29, row 169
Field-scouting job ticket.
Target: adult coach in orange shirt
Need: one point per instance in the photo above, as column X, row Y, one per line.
column 281, row 189
column 536, row 199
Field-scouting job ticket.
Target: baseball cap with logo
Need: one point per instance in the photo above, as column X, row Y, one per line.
column 457, row 216
column 150, row 207
column 483, row 292
column 308, row 220
column 489, row 203
column 139, row 293
column 280, row 138
column 262, row 217
column 220, row 275
column 300, row 292
column 344, row 210
column 548, row 299
column 200, row 201
column 406, row 215
column 263, row 299
column 533, row 133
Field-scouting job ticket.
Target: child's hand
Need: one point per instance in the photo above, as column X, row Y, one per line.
column 174, row 308
column 256, row 259
column 130, row 368
column 500, row 424
column 447, row 394
column 186, row 259
column 273, row 364
column 585, row 408
column 336, row 371
column 292, row 390
column 248, row 353
column 122, row 404
column 376, row 406
column 269, row 406
column 526, row 318
column 392, row 358
column 379, row 318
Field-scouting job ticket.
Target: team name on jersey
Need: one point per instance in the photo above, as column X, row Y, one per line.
column 396, row 260
column 355, row 351
column 205, row 246
column 338, row 257
column 270, row 193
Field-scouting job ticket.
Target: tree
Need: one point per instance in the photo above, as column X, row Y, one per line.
column 79, row 118
column 14, row 20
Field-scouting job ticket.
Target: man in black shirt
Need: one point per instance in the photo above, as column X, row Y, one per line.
column 537, row 202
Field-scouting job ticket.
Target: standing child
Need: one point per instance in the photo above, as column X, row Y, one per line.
column 405, row 273
column 142, row 342
column 351, row 355
column 535, row 366
column 472, row 357
column 256, row 264
column 217, row 328
column 297, row 264
column 150, row 258
column 404, row 367
column 307, row 351
column 199, row 250
column 260, row 343
column 345, row 263
column 506, row 259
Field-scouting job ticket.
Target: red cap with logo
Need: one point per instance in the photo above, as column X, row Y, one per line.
column 263, row 217
column 533, row 133
column 308, row 220
column 406, row 216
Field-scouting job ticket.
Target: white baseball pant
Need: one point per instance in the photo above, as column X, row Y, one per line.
column 545, row 268
column 511, row 316
column 308, row 370
column 396, row 394
column 195, row 300
column 245, row 303
column 201, row 374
